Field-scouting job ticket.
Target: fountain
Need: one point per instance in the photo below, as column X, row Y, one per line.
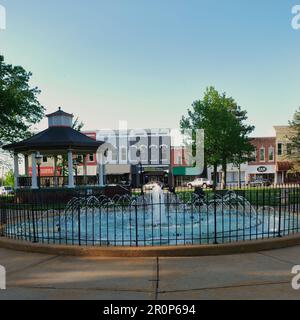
column 156, row 218
column 159, row 208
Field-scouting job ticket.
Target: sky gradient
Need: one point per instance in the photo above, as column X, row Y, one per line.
column 147, row 61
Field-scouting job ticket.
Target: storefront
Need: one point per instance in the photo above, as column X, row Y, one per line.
column 283, row 176
column 232, row 174
column 117, row 174
column 183, row 175
column 255, row 172
column 145, row 174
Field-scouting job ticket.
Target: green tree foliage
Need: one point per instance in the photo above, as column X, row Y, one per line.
column 226, row 134
column 9, row 180
column 19, row 106
column 294, row 155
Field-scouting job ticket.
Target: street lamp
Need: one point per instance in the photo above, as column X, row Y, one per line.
column 38, row 158
column 141, row 177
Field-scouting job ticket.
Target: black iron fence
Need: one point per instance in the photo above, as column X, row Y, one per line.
column 154, row 218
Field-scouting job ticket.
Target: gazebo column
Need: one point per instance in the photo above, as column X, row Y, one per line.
column 34, row 181
column 16, row 170
column 85, row 169
column 26, row 164
column 70, row 170
column 55, row 172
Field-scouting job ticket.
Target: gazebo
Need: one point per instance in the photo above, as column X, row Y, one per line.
column 60, row 139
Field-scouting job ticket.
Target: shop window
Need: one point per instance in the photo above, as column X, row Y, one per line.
column 262, row 154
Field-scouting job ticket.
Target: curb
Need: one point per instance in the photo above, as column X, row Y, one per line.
column 179, row 251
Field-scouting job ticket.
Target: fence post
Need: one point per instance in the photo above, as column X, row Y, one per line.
column 2, row 220
column 79, row 220
column 215, row 218
column 136, row 226
column 280, row 214
column 33, row 222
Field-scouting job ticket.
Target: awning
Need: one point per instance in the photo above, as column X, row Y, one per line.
column 284, row 166
column 117, row 169
column 186, row 171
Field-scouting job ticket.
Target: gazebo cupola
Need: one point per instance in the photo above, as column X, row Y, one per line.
column 60, row 119
column 60, row 139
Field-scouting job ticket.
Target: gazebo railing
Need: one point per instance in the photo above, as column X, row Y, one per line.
column 59, row 181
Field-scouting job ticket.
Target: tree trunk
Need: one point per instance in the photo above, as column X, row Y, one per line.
column 239, row 178
column 215, row 177
column 224, row 175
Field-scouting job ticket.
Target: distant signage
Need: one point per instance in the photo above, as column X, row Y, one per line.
column 262, row 169
column 45, row 171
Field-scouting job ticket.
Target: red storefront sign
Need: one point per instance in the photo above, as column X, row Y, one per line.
column 45, row 171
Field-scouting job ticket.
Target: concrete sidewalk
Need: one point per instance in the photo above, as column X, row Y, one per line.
column 265, row 275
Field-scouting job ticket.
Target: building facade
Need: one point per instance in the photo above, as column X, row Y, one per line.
column 264, row 164
column 138, row 156
column 284, row 151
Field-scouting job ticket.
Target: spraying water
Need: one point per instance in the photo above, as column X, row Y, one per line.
column 159, row 208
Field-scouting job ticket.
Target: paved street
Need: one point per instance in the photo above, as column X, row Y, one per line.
column 265, row 275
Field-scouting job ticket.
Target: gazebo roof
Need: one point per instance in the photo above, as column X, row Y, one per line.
column 58, row 113
column 56, row 139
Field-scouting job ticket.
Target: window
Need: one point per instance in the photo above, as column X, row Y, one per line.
column 91, row 157
column 114, row 156
column 164, row 153
column 262, row 154
column 254, row 155
column 179, row 160
column 144, row 153
column 124, row 154
column 279, row 149
column 271, row 154
column 45, row 159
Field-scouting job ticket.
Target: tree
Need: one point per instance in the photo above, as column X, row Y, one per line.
column 78, row 125
column 226, row 136
column 9, row 179
column 294, row 156
column 19, row 106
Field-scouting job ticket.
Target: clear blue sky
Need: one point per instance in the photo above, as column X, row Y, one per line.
column 147, row 61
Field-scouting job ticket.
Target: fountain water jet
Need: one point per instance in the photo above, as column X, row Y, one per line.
column 159, row 207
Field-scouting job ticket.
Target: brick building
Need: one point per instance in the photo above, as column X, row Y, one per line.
column 264, row 164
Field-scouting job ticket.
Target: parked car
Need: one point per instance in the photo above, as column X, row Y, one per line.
column 200, row 183
column 6, row 191
column 260, row 183
column 151, row 185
